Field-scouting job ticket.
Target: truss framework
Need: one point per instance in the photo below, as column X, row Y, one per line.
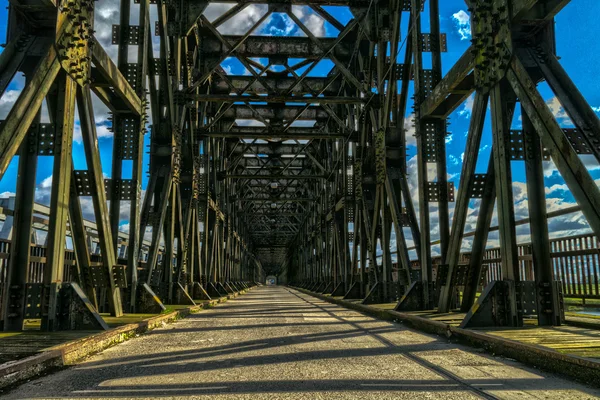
column 316, row 187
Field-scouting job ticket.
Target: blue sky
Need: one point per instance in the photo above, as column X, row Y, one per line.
column 580, row 56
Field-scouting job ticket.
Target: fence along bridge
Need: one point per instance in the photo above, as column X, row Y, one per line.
column 286, row 170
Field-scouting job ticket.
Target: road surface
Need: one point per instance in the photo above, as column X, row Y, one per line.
column 277, row 343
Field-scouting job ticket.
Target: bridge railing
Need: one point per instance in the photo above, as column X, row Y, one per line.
column 575, row 260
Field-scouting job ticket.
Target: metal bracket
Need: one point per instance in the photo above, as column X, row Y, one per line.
column 133, row 75
column 578, row 141
column 45, row 134
column 34, row 304
column 428, row 82
column 526, row 297
column 82, row 182
column 441, row 273
column 405, row 219
column 155, row 278
column 158, row 66
column 517, row 147
column 132, row 32
column 75, row 311
column 127, row 132
column 434, row 191
column 476, row 189
column 125, row 189
column 462, row 271
column 406, row 5
column 119, row 276
column 517, row 144
column 492, row 307
column 433, row 142
column 428, row 45
column 97, row 276
column 148, row 301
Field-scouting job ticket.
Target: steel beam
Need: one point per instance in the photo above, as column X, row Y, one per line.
column 64, row 112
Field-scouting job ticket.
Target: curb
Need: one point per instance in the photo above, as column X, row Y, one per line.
column 579, row 368
column 15, row 373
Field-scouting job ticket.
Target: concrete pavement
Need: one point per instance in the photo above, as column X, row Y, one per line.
column 277, row 343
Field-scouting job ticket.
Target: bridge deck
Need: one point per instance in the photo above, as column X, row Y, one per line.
column 279, row 343
column 18, row 345
column 581, row 341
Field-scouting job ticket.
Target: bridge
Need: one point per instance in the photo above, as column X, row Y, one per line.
column 277, row 195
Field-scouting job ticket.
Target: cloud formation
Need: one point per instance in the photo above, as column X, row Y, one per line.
column 462, row 20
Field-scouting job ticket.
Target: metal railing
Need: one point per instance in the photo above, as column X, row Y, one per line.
column 575, row 261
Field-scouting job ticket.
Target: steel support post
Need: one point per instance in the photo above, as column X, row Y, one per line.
column 482, row 228
column 502, row 105
column 548, row 307
column 14, row 293
column 464, row 196
column 59, row 198
column 422, row 169
column 96, row 178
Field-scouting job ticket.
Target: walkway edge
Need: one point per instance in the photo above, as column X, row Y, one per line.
column 579, row 368
column 15, row 373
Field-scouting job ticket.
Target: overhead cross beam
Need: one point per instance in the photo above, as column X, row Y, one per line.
column 288, row 164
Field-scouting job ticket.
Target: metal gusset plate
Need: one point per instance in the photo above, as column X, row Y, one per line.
column 476, row 189
column 119, row 276
column 132, row 34
column 33, row 300
column 434, row 191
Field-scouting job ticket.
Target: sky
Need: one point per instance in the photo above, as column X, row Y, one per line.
column 580, row 56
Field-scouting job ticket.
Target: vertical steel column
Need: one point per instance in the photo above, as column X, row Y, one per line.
column 118, row 125
column 440, row 128
column 484, row 220
column 59, row 198
column 548, row 306
column 464, row 195
column 424, row 226
column 14, row 294
column 135, row 221
column 502, row 105
column 92, row 155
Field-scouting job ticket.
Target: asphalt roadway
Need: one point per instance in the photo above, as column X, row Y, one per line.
column 277, row 343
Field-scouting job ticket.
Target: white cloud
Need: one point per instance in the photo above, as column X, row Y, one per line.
column 46, row 183
column 467, row 107
column 228, row 69
column 106, row 14
column 273, row 27
column 463, row 24
column 242, row 21
column 314, row 23
column 557, row 109
column 588, row 160
column 7, row 100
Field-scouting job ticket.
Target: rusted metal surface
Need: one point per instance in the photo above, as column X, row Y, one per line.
column 278, row 171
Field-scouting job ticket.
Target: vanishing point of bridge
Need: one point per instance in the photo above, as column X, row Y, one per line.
column 239, row 156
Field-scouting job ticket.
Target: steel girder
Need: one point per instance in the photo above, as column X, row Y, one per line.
column 503, row 75
column 57, row 55
column 278, row 171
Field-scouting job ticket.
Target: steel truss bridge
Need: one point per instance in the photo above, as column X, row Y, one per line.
column 314, row 187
